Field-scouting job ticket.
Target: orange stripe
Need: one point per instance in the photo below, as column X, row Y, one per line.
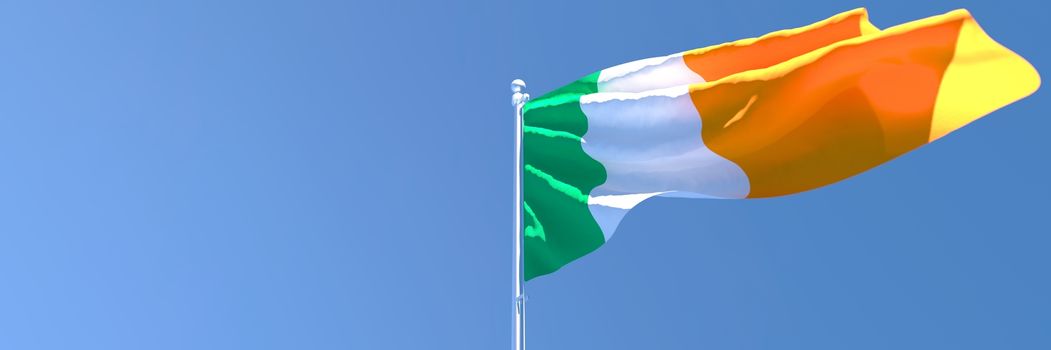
column 832, row 113
column 715, row 62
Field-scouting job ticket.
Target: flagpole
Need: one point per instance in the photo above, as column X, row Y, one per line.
column 518, row 99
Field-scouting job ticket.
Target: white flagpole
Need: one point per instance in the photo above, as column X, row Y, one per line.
column 518, row 100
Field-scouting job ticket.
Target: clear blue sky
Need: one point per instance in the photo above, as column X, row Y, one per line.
column 337, row 175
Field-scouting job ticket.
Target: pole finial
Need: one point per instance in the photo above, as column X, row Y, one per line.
column 517, row 85
column 519, row 98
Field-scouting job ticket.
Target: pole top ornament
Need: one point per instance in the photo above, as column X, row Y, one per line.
column 519, row 98
column 517, row 85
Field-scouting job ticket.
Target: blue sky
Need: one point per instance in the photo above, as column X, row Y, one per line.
column 337, row 175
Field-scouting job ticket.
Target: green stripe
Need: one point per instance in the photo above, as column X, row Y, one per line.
column 557, row 179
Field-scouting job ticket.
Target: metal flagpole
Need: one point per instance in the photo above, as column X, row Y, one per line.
column 518, row 100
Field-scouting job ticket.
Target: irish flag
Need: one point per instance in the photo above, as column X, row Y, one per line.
column 780, row 114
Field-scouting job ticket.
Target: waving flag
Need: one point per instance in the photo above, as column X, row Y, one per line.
column 784, row 113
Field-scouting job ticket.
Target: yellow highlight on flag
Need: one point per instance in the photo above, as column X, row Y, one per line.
column 982, row 77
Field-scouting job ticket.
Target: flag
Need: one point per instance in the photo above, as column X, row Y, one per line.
column 780, row 114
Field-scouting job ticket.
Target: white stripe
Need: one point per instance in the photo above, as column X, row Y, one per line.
column 650, row 144
column 647, row 74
